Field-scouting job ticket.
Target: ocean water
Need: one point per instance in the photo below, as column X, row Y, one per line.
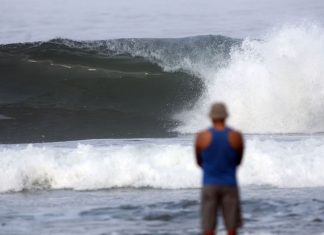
column 151, row 186
column 100, row 101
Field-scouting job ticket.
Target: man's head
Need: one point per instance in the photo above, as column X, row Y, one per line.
column 218, row 112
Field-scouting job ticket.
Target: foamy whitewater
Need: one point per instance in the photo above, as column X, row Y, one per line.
column 100, row 102
column 275, row 84
column 149, row 185
column 160, row 163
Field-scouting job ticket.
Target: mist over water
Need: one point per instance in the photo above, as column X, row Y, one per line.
column 271, row 85
column 39, row 20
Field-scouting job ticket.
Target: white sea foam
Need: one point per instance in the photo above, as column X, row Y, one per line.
column 91, row 167
column 273, row 85
column 281, row 162
column 285, row 162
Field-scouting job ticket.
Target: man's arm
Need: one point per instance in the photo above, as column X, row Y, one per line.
column 202, row 141
column 237, row 142
column 198, row 150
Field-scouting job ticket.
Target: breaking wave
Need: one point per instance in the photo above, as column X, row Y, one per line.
column 272, row 85
column 129, row 88
column 101, row 89
column 157, row 163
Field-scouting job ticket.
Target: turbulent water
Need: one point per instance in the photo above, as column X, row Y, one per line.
column 151, row 186
column 96, row 133
column 155, row 163
column 125, row 94
column 63, row 89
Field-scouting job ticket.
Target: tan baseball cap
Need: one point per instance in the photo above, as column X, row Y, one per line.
column 218, row 110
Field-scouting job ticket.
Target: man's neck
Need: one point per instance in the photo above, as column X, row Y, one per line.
column 219, row 125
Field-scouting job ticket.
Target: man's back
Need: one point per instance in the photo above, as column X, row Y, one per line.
column 204, row 140
column 219, row 159
column 219, row 151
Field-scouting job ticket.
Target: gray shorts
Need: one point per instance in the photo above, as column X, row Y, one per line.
column 225, row 197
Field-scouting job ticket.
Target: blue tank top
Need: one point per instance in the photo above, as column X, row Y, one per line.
column 219, row 160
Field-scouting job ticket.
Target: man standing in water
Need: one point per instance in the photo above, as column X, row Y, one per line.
column 219, row 151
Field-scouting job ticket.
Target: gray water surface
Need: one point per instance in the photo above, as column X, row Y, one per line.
column 266, row 210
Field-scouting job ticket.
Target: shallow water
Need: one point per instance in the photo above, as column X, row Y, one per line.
column 266, row 210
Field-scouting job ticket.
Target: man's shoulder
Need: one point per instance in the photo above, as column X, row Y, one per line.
column 203, row 132
column 203, row 138
column 236, row 138
column 235, row 132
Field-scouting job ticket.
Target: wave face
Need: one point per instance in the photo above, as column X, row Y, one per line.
column 272, row 85
column 167, row 163
column 63, row 89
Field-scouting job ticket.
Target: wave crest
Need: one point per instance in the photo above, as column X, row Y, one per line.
column 273, row 85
